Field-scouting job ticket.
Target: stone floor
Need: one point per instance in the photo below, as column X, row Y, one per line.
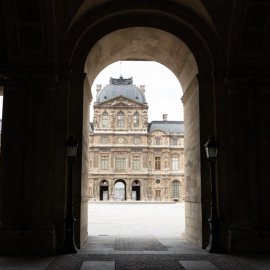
column 123, row 246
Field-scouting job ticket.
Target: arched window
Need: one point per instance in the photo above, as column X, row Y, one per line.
column 175, row 189
column 105, row 119
column 120, row 162
column 136, row 119
column 120, row 119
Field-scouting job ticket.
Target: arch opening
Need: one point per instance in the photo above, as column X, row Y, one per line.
column 120, row 190
column 142, row 43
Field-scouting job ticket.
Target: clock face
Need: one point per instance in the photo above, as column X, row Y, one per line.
column 120, row 140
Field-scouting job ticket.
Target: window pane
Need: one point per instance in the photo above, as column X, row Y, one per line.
column 136, row 119
column 120, row 119
column 175, row 163
column 175, row 189
column 136, row 140
column 157, row 163
column 136, row 163
column 120, row 163
column 105, row 119
column 104, row 163
column 174, row 141
column 157, row 141
column 104, row 140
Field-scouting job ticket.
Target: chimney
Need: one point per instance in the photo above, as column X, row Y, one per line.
column 165, row 116
column 98, row 88
column 142, row 87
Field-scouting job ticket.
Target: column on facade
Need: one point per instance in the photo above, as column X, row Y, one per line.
column 110, row 189
column 145, row 189
column 128, row 189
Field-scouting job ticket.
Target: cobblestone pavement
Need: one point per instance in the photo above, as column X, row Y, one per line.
column 147, row 262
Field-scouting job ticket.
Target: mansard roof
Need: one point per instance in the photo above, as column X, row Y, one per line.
column 121, row 86
column 167, row 126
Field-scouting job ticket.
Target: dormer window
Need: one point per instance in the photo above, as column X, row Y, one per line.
column 105, row 119
column 136, row 119
column 120, row 119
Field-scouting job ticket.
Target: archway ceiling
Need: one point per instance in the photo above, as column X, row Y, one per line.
column 141, row 43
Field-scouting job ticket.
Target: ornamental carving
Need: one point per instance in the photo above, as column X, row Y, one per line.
column 121, row 140
column 145, row 117
column 91, row 138
column 96, row 118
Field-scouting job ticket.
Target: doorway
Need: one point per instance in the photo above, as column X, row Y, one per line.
column 158, row 195
column 120, row 190
column 104, row 191
column 136, row 191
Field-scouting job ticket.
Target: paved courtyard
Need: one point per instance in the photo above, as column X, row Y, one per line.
column 136, row 219
column 139, row 236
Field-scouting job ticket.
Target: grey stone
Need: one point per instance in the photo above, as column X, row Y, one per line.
column 98, row 265
column 203, row 265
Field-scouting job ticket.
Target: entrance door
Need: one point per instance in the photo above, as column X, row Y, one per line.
column 158, row 195
column 136, row 194
column 119, row 191
column 104, row 193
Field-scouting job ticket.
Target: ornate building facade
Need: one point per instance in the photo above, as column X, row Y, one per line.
column 129, row 158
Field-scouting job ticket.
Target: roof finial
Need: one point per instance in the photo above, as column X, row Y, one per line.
column 121, row 70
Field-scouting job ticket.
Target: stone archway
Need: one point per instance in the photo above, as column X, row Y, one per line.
column 120, row 190
column 192, row 64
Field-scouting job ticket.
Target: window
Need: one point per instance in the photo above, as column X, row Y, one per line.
column 105, row 119
column 136, row 140
column 104, row 140
column 157, row 141
column 175, row 189
column 120, row 119
column 104, row 163
column 175, row 163
column 174, row 141
column 120, row 162
column 136, row 119
column 136, row 163
column 157, row 163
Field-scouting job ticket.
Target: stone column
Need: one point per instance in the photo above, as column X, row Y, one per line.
column 27, row 133
column 242, row 99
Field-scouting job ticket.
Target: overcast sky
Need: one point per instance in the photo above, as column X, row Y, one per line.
column 162, row 89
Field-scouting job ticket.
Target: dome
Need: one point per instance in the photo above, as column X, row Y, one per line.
column 121, row 86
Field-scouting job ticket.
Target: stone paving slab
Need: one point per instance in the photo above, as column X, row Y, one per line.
column 197, row 265
column 147, row 262
column 138, row 244
column 98, row 265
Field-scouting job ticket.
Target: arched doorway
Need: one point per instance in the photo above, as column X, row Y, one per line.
column 136, row 190
column 104, row 190
column 120, row 190
column 184, row 51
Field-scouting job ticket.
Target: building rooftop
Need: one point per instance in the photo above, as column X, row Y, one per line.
column 121, row 86
column 167, row 126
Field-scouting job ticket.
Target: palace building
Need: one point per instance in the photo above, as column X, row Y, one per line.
column 129, row 158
